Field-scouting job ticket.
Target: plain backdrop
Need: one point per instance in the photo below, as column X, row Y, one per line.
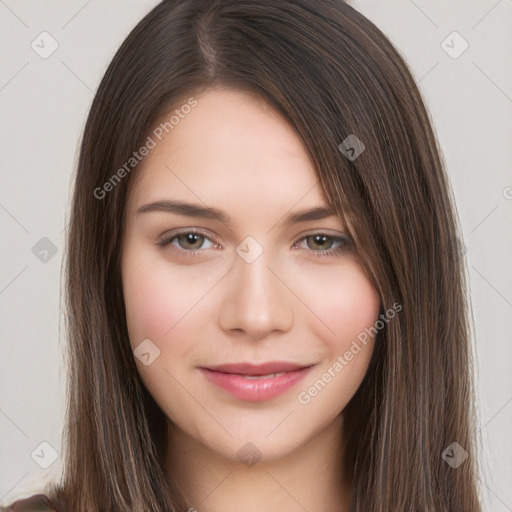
column 44, row 103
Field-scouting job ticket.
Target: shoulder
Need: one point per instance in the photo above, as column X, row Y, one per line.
column 34, row 503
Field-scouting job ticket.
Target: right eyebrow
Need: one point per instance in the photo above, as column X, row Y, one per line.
column 188, row 209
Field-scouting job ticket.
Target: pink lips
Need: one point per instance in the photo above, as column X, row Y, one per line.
column 236, row 378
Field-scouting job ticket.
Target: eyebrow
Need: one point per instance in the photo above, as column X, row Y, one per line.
column 196, row 210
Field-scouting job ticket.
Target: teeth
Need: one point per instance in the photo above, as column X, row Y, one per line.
column 263, row 376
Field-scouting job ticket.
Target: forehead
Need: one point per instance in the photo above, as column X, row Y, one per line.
column 231, row 142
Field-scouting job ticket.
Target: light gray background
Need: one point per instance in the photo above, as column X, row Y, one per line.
column 44, row 103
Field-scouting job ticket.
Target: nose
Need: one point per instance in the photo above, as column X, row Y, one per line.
column 256, row 299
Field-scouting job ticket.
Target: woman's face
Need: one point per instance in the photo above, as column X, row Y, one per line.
column 254, row 286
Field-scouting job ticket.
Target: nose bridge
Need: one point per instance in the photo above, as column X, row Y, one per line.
column 255, row 300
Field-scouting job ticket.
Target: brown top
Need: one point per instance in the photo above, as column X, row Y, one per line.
column 34, row 503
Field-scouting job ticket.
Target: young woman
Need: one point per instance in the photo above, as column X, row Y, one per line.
column 267, row 307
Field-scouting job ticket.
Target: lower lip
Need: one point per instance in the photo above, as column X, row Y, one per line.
column 255, row 390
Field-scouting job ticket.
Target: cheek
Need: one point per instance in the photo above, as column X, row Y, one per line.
column 160, row 307
column 165, row 306
column 148, row 311
column 347, row 304
column 155, row 299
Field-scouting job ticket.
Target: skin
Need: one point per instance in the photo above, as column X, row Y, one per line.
column 235, row 153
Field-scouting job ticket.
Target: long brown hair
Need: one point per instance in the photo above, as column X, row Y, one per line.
column 331, row 73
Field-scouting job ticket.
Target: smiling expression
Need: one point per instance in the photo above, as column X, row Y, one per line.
column 231, row 256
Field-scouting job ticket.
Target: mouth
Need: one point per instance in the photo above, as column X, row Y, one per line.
column 254, row 383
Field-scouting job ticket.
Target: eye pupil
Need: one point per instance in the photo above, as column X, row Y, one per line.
column 192, row 238
column 320, row 239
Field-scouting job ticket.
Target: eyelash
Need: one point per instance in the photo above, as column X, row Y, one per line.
column 167, row 241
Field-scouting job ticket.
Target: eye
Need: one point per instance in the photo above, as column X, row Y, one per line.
column 189, row 241
column 321, row 244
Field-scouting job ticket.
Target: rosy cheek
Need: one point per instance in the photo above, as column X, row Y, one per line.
column 150, row 308
column 162, row 306
column 350, row 306
column 365, row 304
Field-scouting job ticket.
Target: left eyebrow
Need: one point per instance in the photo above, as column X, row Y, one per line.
column 196, row 210
column 321, row 212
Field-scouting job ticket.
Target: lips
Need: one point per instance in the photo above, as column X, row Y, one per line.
column 256, row 382
column 250, row 369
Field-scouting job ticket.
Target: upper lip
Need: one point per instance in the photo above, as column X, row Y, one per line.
column 257, row 369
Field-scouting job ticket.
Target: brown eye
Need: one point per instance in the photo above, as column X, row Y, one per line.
column 194, row 239
column 186, row 242
column 321, row 244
